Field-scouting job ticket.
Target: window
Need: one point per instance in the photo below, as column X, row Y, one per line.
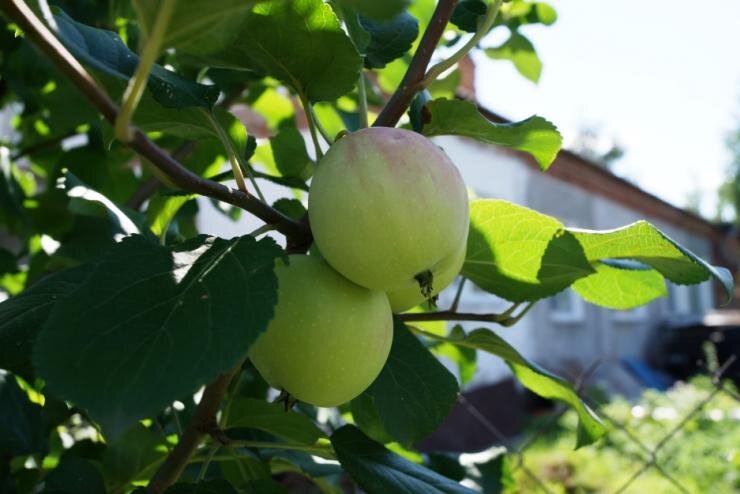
column 566, row 307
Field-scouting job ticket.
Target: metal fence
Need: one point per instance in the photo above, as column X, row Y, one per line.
column 643, row 456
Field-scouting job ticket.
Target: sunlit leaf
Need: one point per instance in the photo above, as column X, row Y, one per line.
column 534, row 135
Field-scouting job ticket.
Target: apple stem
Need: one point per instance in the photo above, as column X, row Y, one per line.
column 425, row 280
column 286, row 399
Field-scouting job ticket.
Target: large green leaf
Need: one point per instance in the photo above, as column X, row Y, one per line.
column 520, row 51
column 22, row 317
column 381, row 10
column 390, row 39
column 534, row 135
column 273, row 418
column 414, row 393
column 21, row 425
column 153, row 323
column 379, row 471
column 530, row 375
column 621, row 286
column 520, row 254
column 643, row 242
column 197, row 26
column 299, row 42
column 103, row 50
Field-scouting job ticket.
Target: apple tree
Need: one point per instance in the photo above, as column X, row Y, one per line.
column 139, row 355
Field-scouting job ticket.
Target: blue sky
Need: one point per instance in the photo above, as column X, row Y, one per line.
column 661, row 77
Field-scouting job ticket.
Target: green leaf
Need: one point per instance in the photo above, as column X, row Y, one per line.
column 414, row 393
column 161, row 211
column 82, row 198
column 300, row 43
column 379, row 471
column 390, row 39
column 531, row 376
column 643, row 242
column 467, row 13
column 464, row 358
column 153, row 323
column 621, row 286
column 534, row 135
column 213, row 486
column 381, row 10
column 273, row 418
column 196, row 26
column 72, row 475
column 366, row 417
column 103, row 50
column 289, row 151
column 519, row 254
column 21, row 425
column 520, row 51
column 515, row 14
column 22, row 317
column 133, row 456
column 292, row 208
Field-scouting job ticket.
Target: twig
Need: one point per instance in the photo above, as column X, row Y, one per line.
column 204, row 467
column 318, row 449
column 362, row 99
column 291, row 182
column 484, row 26
column 401, row 98
column 263, row 229
column 311, row 125
column 230, row 151
column 35, row 30
column 137, row 83
column 503, row 319
column 322, row 130
column 204, row 421
column 41, row 145
column 458, row 294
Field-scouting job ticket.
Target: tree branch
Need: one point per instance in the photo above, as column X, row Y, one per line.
column 203, row 423
column 401, row 99
column 36, row 31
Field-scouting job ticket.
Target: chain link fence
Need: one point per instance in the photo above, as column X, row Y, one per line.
column 640, row 456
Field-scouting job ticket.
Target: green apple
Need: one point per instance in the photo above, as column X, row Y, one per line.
column 444, row 272
column 386, row 206
column 329, row 338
